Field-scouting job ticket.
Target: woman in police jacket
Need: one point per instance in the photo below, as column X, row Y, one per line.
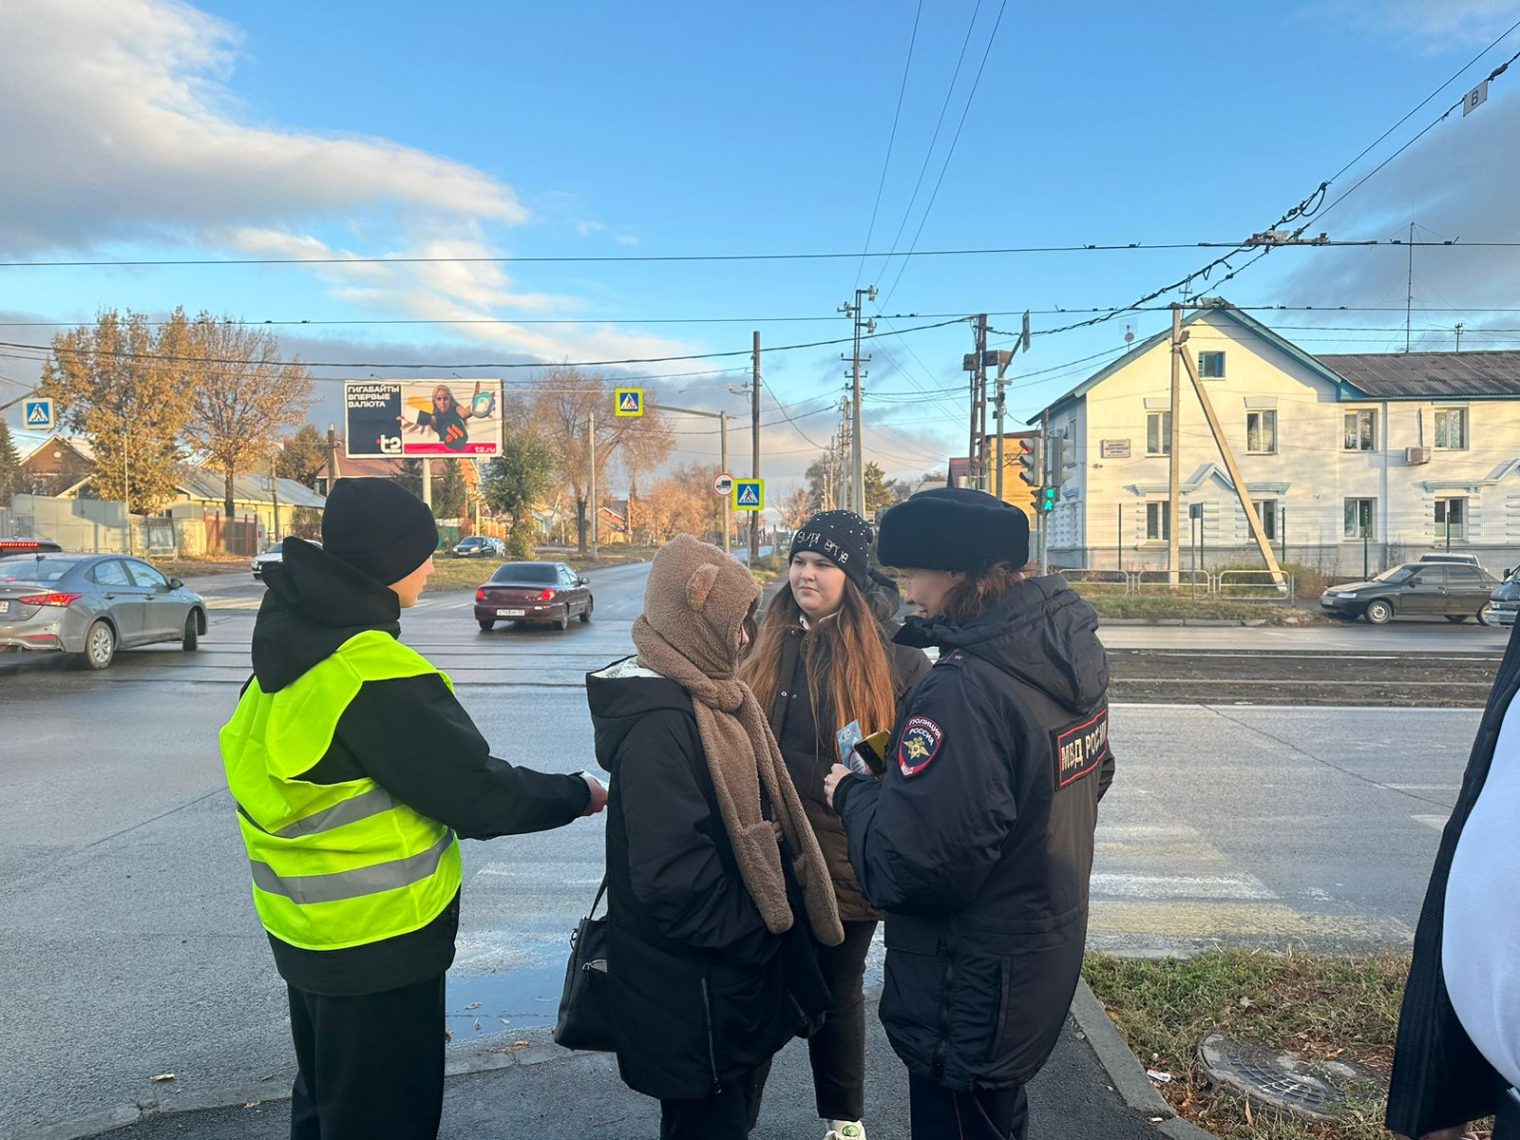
column 978, row 843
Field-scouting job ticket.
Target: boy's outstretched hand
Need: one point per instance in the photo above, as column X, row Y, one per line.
column 598, row 794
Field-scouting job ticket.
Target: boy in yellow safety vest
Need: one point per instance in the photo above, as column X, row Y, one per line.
column 355, row 770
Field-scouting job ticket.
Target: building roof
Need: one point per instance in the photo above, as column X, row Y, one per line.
column 37, row 441
column 1209, row 307
column 1427, row 375
column 203, row 485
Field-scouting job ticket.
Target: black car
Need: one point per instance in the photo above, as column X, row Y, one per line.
column 1506, row 600
column 533, row 592
column 478, row 546
column 1425, row 589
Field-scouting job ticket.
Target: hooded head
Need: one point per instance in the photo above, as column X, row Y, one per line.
column 698, row 600
column 379, row 528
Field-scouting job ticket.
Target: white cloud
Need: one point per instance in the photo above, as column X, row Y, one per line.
column 626, row 239
column 1430, row 25
column 587, row 228
column 120, row 115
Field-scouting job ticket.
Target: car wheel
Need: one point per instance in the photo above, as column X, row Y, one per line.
column 586, row 613
column 192, row 639
column 1485, row 612
column 486, row 626
column 564, row 622
column 99, row 645
column 1378, row 612
column 1456, row 618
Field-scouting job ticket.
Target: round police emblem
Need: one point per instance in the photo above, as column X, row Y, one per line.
column 919, row 745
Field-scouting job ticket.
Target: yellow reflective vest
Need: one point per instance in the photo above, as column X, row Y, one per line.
column 334, row 865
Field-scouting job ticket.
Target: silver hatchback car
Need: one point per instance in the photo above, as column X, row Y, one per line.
column 90, row 605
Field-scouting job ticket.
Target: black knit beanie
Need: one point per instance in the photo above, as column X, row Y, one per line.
column 843, row 537
column 379, row 528
column 953, row 528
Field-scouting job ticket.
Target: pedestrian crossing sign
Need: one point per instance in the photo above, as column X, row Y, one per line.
column 628, row 401
column 749, row 494
column 38, row 415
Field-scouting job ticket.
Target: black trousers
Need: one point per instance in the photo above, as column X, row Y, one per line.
column 368, row 1066
column 837, row 1052
column 938, row 1113
column 1507, row 1117
column 728, row 1115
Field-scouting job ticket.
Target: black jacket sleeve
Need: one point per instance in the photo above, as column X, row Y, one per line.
column 924, row 844
column 413, row 738
column 678, row 875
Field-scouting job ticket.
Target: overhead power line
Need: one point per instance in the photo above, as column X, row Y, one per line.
column 891, row 139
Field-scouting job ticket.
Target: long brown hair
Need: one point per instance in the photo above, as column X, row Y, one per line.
column 847, row 650
column 980, row 590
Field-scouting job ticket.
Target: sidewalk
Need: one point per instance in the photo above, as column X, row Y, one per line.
column 549, row 1092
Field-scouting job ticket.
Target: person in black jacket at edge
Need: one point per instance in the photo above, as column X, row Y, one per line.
column 714, row 878
column 978, row 843
column 1457, row 1054
column 355, row 770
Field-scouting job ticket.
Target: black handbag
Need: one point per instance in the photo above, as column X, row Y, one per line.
column 585, row 1006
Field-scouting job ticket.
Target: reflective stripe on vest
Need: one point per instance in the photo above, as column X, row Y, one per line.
column 333, row 865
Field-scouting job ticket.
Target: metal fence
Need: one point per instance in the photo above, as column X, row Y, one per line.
column 1225, row 585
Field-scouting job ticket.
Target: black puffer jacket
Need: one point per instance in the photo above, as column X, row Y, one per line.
column 978, row 844
column 1439, row 1077
column 698, row 983
column 809, row 752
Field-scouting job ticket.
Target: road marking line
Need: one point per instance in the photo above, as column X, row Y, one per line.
column 1163, row 887
column 1438, row 822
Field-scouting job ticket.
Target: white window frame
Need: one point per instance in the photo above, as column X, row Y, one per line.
column 1352, row 422
column 1443, row 518
column 1266, row 511
column 1163, row 422
column 1260, row 413
column 1355, row 534
column 1158, row 520
column 1437, row 415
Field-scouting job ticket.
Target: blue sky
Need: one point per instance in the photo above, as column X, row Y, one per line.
column 143, row 129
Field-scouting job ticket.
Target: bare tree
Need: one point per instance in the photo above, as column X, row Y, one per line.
column 244, row 395
column 563, row 402
column 796, row 508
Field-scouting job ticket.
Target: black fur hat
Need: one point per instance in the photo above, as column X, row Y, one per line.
column 953, row 528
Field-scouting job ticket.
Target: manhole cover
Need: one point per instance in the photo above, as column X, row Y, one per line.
column 1309, row 1088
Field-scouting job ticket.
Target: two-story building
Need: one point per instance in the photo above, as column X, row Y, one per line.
column 1368, row 458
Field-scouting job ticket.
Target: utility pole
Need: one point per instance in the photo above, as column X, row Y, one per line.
column 1458, row 331
column 591, row 446
column 857, row 459
column 842, row 482
column 754, row 435
column 1409, row 293
column 332, row 458
column 724, row 506
column 979, row 414
column 1045, row 482
column 1174, row 478
column 427, row 481
column 274, row 491
column 126, row 485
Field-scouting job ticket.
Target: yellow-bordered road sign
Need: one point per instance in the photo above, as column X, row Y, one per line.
column 749, row 494
column 628, row 401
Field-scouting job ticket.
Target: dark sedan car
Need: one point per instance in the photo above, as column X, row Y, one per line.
column 89, row 605
column 1506, row 600
column 478, row 546
column 1425, row 589
column 533, row 592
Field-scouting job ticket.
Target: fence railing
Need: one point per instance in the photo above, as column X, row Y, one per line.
column 1223, row 585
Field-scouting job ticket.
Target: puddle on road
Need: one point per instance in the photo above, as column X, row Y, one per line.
column 502, row 1003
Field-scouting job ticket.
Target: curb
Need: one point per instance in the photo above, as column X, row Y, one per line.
column 477, row 1057
column 1124, row 1068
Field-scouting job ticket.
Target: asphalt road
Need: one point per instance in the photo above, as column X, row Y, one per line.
column 130, row 948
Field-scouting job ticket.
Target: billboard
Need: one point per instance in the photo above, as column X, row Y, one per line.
column 397, row 419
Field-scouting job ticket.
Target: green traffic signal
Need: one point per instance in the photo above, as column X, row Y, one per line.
column 1048, row 496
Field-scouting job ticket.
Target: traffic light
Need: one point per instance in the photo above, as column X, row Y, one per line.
column 1047, row 499
column 1030, row 461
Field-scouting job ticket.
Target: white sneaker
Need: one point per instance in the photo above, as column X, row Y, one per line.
column 845, row 1130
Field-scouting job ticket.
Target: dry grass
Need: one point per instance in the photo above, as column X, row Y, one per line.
column 1114, row 602
column 1314, row 1007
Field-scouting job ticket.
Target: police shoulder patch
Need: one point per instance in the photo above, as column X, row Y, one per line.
column 1080, row 748
column 919, row 745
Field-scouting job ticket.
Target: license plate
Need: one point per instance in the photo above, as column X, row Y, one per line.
column 5, row 607
column 511, row 613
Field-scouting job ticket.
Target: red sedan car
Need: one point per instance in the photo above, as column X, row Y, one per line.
column 533, row 592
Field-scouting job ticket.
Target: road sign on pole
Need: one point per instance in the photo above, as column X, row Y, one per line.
column 749, row 494
column 628, row 401
column 37, row 415
column 723, row 485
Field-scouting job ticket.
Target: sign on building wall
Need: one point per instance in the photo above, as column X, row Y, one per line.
column 395, row 419
column 1114, row 448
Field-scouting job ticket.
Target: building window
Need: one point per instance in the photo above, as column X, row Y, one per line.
column 1211, row 365
column 1359, row 515
column 1451, row 520
column 1361, row 431
column 1158, row 433
column 1158, row 522
column 1451, row 428
column 1266, row 510
column 1261, row 432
